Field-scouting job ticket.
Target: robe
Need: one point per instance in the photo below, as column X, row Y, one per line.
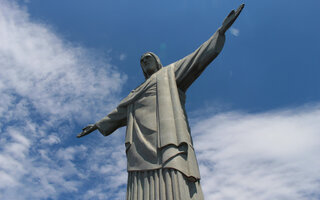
column 158, row 134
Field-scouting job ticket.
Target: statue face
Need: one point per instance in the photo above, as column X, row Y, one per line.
column 148, row 64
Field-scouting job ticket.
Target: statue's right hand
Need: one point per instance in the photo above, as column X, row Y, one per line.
column 86, row 130
column 230, row 19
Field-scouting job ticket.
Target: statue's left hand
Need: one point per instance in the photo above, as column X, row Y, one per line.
column 230, row 19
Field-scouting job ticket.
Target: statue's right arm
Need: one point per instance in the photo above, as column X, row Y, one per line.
column 107, row 125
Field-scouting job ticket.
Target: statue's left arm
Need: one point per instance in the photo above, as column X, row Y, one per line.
column 188, row 69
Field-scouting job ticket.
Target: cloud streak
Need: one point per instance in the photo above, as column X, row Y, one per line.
column 47, row 87
column 234, row 31
column 271, row 155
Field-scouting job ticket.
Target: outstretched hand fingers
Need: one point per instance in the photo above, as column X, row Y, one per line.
column 86, row 130
column 237, row 13
column 80, row 135
column 83, row 133
column 230, row 19
column 87, row 127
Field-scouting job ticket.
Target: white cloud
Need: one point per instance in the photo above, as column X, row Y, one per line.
column 111, row 164
column 51, row 139
column 234, row 31
column 271, row 155
column 52, row 75
column 47, row 87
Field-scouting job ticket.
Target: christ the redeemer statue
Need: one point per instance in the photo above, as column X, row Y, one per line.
column 161, row 161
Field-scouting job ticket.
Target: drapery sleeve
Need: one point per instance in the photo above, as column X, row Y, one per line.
column 188, row 69
column 114, row 120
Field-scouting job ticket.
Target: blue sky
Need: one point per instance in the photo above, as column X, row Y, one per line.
column 254, row 112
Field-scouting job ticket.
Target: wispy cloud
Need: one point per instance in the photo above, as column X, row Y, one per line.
column 271, row 155
column 234, row 31
column 47, row 87
column 122, row 56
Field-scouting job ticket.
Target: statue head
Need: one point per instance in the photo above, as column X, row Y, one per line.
column 150, row 63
